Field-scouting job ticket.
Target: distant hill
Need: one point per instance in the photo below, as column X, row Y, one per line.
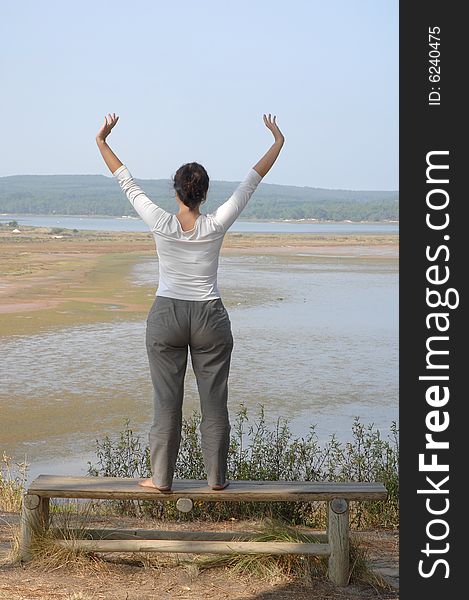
column 101, row 195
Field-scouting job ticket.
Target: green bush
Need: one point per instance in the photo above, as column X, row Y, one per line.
column 259, row 453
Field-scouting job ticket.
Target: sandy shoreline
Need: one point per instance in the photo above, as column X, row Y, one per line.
column 81, row 277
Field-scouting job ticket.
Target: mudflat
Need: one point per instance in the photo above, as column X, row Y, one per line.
column 49, row 281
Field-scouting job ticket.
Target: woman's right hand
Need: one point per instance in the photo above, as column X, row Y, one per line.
column 272, row 125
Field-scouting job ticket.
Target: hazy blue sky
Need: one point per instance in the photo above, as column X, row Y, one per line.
column 190, row 81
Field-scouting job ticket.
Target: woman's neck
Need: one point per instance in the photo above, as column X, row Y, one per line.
column 185, row 213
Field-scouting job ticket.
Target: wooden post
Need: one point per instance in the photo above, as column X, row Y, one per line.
column 338, row 534
column 34, row 520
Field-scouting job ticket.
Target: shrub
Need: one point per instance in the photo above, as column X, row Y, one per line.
column 259, row 453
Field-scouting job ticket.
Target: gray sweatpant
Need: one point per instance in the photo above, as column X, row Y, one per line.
column 173, row 326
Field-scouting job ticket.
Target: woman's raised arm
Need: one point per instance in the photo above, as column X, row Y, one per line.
column 152, row 214
column 110, row 158
column 229, row 211
column 266, row 162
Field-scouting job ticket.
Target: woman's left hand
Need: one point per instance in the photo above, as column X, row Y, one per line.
column 109, row 122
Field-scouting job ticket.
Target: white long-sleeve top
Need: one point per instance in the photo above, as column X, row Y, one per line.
column 188, row 260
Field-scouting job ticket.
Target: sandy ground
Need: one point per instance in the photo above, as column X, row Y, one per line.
column 133, row 577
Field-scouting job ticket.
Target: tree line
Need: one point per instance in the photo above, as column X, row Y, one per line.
column 99, row 195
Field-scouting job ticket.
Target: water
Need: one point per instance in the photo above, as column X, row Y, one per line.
column 315, row 342
column 136, row 224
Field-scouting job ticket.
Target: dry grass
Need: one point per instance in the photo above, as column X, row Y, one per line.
column 12, row 484
column 271, row 567
column 304, row 569
column 68, row 522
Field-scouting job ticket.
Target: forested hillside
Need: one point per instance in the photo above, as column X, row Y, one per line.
column 101, row 195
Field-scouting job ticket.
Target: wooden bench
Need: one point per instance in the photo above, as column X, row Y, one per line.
column 35, row 516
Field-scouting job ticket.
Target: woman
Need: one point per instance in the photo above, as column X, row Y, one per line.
column 188, row 311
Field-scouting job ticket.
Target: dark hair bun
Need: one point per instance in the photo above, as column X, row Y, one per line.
column 191, row 183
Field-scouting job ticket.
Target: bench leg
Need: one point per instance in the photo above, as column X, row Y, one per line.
column 34, row 520
column 338, row 534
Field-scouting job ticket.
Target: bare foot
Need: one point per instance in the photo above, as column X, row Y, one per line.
column 220, row 487
column 149, row 483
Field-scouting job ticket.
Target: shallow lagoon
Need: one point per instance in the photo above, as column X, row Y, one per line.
column 316, row 341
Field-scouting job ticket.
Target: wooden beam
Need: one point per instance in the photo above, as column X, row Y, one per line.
column 196, row 547
column 153, row 534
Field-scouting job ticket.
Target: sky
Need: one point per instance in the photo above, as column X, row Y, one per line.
column 190, row 81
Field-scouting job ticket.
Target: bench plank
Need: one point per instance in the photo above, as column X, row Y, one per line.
column 127, row 488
